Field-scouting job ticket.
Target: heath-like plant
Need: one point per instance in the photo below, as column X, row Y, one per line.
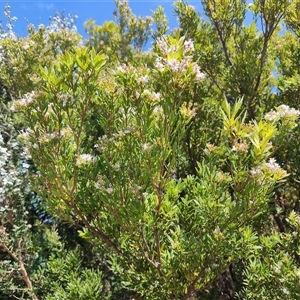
column 167, row 237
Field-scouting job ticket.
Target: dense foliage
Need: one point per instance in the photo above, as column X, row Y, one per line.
column 163, row 174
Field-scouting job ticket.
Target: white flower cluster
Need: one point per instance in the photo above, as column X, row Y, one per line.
column 146, row 147
column 9, row 176
column 158, row 111
column 104, row 140
column 124, row 69
column 188, row 46
column 23, row 102
column 199, row 75
column 140, row 75
column 286, row 112
column 164, row 47
column 48, row 137
column 101, row 184
column 271, row 167
column 8, row 33
column 102, row 143
column 61, row 22
column 143, row 79
column 256, row 172
column 151, row 96
column 285, row 291
column 177, row 65
column 28, row 44
column 85, row 159
column 240, row 147
column 282, row 111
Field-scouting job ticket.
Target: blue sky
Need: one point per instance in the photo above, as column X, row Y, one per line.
column 38, row 12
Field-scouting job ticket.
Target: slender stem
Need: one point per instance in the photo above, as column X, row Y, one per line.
column 156, row 265
column 96, row 232
column 18, row 258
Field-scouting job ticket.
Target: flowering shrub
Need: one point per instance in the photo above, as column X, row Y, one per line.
column 136, row 204
column 19, row 56
column 184, row 193
column 8, row 32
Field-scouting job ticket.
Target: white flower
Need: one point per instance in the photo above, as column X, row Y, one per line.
column 23, row 102
column 282, row 111
column 122, row 68
column 151, row 95
column 272, row 166
column 7, row 11
column 146, row 147
column 217, row 231
column 158, row 111
column 116, row 166
column 271, row 115
column 84, row 159
column 240, row 147
column 174, row 65
column 159, row 64
column 144, row 79
column 156, row 96
column 199, row 75
column 286, row 111
column 256, row 172
column 188, row 46
column 277, row 270
column 162, row 44
column 285, row 291
column 109, row 190
column 97, row 185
